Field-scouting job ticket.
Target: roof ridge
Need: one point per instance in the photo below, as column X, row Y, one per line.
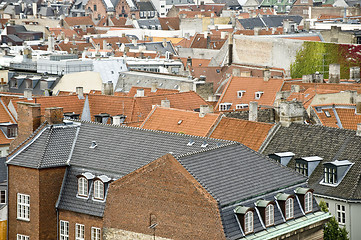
column 207, row 149
column 46, row 146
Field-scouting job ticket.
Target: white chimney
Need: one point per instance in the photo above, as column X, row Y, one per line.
column 334, row 73
column 118, row 119
column 80, row 92
column 253, row 111
column 28, row 93
column 185, row 87
column 204, row 109
column 154, row 86
column 165, row 103
column 51, row 44
column 140, row 92
column 266, row 75
column 358, row 131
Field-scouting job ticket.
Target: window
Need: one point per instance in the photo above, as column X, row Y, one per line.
column 64, row 230
column 301, row 167
column 3, row 196
column 95, row 7
column 304, row 1
column 22, row 237
column 330, row 175
column 79, row 231
column 289, row 208
column 224, row 106
column 23, row 207
column 248, row 222
column 82, row 186
column 240, row 93
column 98, row 189
column 258, row 95
column 269, row 215
column 327, row 113
column 95, row 233
column 308, row 202
column 305, row 11
column 241, row 106
column 341, row 214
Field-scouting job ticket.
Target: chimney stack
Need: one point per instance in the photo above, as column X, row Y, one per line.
column 204, row 109
column 358, row 131
column 334, row 73
column 154, row 86
column 266, row 74
column 164, row 42
column 28, row 93
column 51, row 44
column 295, row 88
column 307, row 78
column 185, row 87
column 355, row 73
column 358, row 107
column 140, row 92
column 108, row 88
column 118, row 119
column 54, row 115
column 80, row 92
column 236, row 72
column 165, row 103
column 253, row 111
column 291, row 112
column 317, row 77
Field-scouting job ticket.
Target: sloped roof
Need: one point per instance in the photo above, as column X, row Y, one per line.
column 114, row 41
column 169, row 23
column 72, row 21
column 214, row 42
column 148, row 91
column 328, row 143
column 330, row 86
column 270, row 21
column 250, row 85
column 307, row 95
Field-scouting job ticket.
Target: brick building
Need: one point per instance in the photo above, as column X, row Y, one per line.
column 94, row 181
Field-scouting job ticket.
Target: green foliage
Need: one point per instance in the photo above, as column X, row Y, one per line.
column 323, row 206
column 332, row 231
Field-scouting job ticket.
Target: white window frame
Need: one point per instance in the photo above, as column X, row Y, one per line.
column 341, row 214
column 289, row 208
column 79, row 231
column 308, row 202
column 95, row 233
column 330, row 175
column 258, row 95
column 225, row 106
column 269, row 215
column 98, row 189
column 242, row 106
column 23, row 207
column 248, row 222
column 64, row 230
column 83, row 186
column 22, row 237
column 240, row 93
column 2, row 193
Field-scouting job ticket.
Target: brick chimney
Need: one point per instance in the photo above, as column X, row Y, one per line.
column 253, row 111
column 108, row 88
column 204, row 109
column 80, row 92
column 291, row 112
column 165, row 103
column 54, row 115
column 29, row 119
column 334, row 73
column 154, row 86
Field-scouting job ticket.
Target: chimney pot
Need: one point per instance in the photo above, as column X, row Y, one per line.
column 253, row 111
column 28, row 93
column 165, row 103
column 54, row 115
column 140, row 92
column 204, row 109
column 80, row 92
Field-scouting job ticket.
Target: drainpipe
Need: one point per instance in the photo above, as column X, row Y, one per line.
column 57, row 223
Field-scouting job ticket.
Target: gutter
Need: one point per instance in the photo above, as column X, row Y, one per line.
column 337, row 199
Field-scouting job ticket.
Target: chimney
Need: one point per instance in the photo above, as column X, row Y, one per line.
column 307, row 78
column 358, row 107
column 355, row 73
column 317, row 78
column 291, row 112
column 51, row 44
column 164, row 42
column 80, row 92
column 154, row 86
column 165, row 103
column 334, row 73
column 105, row 45
column 236, row 72
column 189, row 61
column 224, row 35
column 118, row 119
column 108, row 88
column 295, row 88
column 266, row 74
column 28, row 93
column 185, row 87
column 35, row 9
column 253, row 111
column 358, row 131
column 204, row 109
column 140, row 92
column 54, row 115
column 208, row 42
column 134, row 41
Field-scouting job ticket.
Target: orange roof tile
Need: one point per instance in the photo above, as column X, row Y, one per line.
column 307, row 95
column 169, row 23
column 110, row 40
column 179, row 121
column 199, row 41
column 250, row 85
column 72, row 21
column 4, row 140
column 251, row 134
column 329, row 86
column 78, row 45
column 69, row 33
column 5, row 115
column 148, row 91
column 306, row 38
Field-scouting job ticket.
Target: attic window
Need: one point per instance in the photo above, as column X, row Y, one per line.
column 245, row 218
column 258, row 95
column 335, row 171
column 98, row 190
column 82, row 187
column 327, row 113
column 241, row 106
column 204, row 144
column 248, row 222
column 306, row 198
column 93, row 144
column 240, row 93
column 306, row 165
column 224, row 106
column 191, row 142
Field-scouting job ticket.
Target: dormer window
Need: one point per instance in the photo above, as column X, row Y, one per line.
column 225, row 106
column 240, row 93
column 285, row 202
column 289, row 208
column 258, row 95
column 305, row 196
column 282, row 157
column 82, row 187
column 241, row 106
column 306, row 165
column 245, row 218
column 308, row 202
column 248, row 222
column 269, row 216
column 335, row 171
column 99, row 190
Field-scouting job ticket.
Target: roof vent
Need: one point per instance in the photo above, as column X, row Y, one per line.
column 205, row 144
column 180, row 121
column 93, row 145
column 191, row 142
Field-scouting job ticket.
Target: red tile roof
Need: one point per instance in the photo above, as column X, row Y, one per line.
column 147, row 91
column 215, row 42
column 110, row 40
column 80, row 46
column 250, row 85
column 73, row 21
column 329, row 86
column 169, row 23
column 68, row 33
column 306, row 96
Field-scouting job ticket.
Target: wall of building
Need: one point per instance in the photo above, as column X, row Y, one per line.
column 337, row 36
column 197, row 53
column 191, row 25
column 100, row 9
column 206, row 21
column 333, row 98
column 271, row 52
column 43, row 186
column 162, row 193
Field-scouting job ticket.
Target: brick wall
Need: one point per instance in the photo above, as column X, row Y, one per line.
column 100, row 8
column 43, row 186
column 87, row 220
column 162, row 192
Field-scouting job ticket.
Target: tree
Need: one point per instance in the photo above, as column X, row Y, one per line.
column 332, row 231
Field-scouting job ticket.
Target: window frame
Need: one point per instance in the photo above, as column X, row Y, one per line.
column 308, row 202
column 240, row 93
column 79, row 231
column 289, row 208
column 95, row 233
column 341, row 214
column 269, row 215
column 248, row 222
column 22, row 237
column 2, row 200
column 258, row 95
column 83, row 187
column 23, row 207
column 225, row 106
column 64, row 230
column 330, row 175
column 99, row 189
column 301, row 167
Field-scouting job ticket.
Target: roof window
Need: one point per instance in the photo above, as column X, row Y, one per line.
column 258, row 95
column 306, row 165
column 306, row 198
column 191, row 142
column 93, row 144
column 335, row 171
column 282, row 157
column 240, row 93
column 327, row 113
column 241, row 106
column 224, row 106
column 286, row 204
column 266, row 210
column 245, row 218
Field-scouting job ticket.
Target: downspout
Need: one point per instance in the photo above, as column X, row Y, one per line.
column 7, row 199
column 57, row 223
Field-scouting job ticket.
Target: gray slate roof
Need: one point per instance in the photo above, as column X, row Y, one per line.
column 3, row 170
column 146, row 6
column 268, row 21
column 154, row 46
column 328, row 143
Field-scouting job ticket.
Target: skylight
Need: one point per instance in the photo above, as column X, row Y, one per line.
column 93, row 145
